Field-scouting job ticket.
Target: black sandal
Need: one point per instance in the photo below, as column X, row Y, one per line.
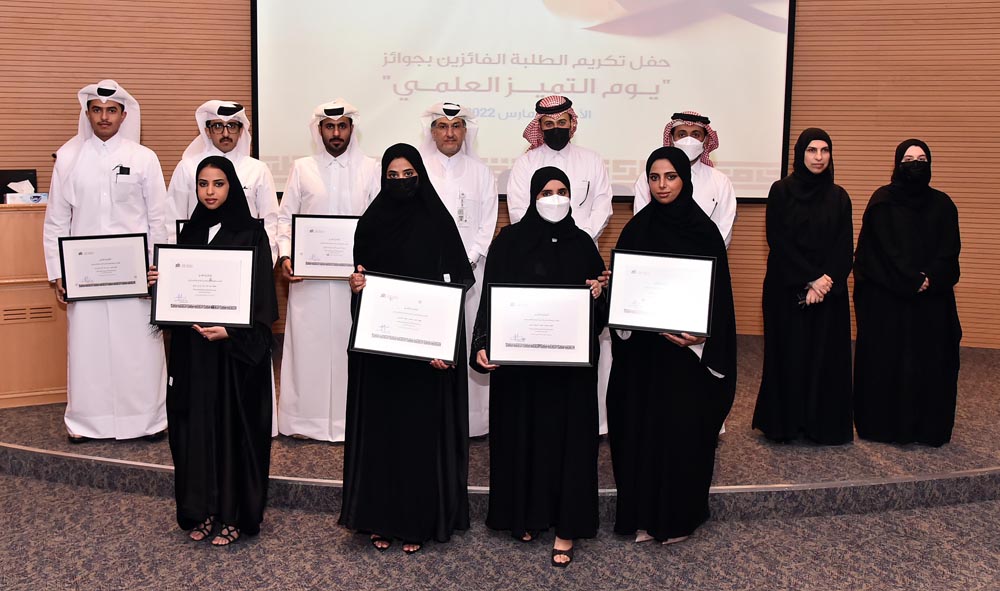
column 204, row 528
column 229, row 533
column 531, row 535
column 567, row 553
column 412, row 550
column 376, row 539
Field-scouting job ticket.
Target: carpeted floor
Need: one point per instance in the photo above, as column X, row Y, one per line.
column 744, row 457
column 58, row 537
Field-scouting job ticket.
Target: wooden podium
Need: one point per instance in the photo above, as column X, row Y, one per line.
column 32, row 321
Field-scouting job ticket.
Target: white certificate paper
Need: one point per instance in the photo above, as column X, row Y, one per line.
column 541, row 325
column 205, row 285
column 323, row 246
column 104, row 267
column 661, row 292
column 409, row 318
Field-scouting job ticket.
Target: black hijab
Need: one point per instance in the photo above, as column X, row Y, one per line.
column 810, row 214
column 910, row 180
column 909, row 230
column 410, row 234
column 681, row 227
column 533, row 229
column 807, row 185
column 233, row 214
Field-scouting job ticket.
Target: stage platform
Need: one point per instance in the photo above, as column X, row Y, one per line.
column 754, row 478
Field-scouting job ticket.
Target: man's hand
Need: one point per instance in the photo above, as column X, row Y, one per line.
column 60, row 291
column 286, row 272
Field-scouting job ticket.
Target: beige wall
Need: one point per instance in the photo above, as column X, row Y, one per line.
column 870, row 72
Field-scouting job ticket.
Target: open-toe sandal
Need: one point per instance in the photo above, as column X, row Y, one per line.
column 528, row 536
column 412, row 550
column 203, row 529
column 377, row 539
column 228, row 535
column 568, row 553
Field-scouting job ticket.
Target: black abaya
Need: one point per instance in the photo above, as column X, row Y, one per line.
column 907, row 356
column 219, row 392
column 406, row 445
column 543, row 451
column 665, row 408
column 805, row 389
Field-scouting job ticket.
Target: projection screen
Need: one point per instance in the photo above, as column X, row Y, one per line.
column 626, row 64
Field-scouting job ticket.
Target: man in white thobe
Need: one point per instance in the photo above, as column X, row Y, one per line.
column 468, row 188
column 104, row 182
column 338, row 179
column 224, row 131
column 549, row 135
column 713, row 191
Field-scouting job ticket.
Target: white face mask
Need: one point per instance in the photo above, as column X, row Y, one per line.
column 690, row 146
column 552, row 208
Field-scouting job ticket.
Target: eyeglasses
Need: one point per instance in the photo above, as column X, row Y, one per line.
column 231, row 127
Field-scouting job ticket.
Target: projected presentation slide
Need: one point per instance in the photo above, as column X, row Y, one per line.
column 627, row 65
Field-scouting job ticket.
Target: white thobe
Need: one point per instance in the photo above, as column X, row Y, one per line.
column 590, row 193
column 713, row 192
column 590, row 197
column 258, row 185
column 318, row 321
column 116, row 371
column 468, row 189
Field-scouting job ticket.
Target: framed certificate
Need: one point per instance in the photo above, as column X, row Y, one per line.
column 180, row 227
column 541, row 325
column 205, row 285
column 411, row 318
column 323, row 246
column 661, row 292
column 104, row 267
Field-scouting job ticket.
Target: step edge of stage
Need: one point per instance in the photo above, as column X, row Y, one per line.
column 728, row 489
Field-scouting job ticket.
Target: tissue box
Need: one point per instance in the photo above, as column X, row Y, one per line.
column 27, row 198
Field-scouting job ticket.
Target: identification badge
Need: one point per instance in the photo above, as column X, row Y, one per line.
column 461, row 216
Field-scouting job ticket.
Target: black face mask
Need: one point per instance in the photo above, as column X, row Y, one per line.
column 404, row 188
column 556, row 138
column 915, row 172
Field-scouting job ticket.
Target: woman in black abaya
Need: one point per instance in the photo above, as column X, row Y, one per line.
column 905, row 271
column 805, row 389
column 406, row 448
column 669, row 394
column 219, row 391
column 543, row 451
